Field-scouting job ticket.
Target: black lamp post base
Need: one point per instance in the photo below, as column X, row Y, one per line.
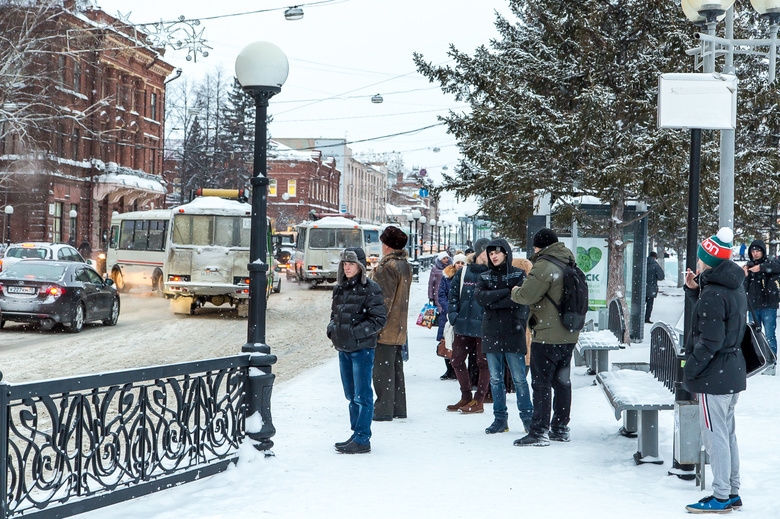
column 255, row 348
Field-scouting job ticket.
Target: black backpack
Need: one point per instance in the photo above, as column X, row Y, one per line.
column 574, row 301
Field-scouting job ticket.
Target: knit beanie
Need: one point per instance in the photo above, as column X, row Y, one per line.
column 716, row 249
column 544, row 238
column 480, row 245
column 459, row 257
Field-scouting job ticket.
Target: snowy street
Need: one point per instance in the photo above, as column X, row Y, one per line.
column 148, row 334
column 440, row 464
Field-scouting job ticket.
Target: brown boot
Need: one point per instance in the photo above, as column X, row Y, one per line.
column 461, row 403
column 472, row 407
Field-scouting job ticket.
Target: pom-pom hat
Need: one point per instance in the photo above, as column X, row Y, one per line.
column 716, row 249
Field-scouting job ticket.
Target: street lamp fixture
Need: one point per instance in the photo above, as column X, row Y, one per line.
column 293, row 13
column 261, row 69
column 422, row 235
column 73, row 215
column 9, row 210
column 433, row 232
column 705, row 11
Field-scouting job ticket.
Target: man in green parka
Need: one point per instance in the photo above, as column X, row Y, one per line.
column 552, row 344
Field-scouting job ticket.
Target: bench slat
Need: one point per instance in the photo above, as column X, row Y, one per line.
column 634, row 390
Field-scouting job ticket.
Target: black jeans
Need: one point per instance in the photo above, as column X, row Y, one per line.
column 648, row 307
column 550, row 371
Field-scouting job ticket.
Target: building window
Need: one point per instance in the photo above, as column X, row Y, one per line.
column 291, row 187
column 57, row 222
column 272, row 187
column 153, row 106
column 76, row 143
column 76, row 76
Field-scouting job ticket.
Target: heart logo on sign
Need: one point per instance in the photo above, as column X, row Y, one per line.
column 587, row 259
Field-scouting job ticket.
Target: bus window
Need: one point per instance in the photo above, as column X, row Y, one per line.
column 114, row 237
column 141, row 236
column 301, row 239
column 201, row 230
column 192, row 230
column 126, row 237
column 334, row 238
column 347, row 238
column 157, row 235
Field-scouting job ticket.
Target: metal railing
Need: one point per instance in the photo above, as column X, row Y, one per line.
column 666, row 356
column 75, row 444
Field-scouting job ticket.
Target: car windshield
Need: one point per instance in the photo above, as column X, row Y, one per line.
column 34, row 271
column 26, row 252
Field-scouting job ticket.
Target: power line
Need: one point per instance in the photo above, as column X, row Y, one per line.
column 369, row 139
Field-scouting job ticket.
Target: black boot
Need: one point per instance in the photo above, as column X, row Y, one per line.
column 450, row 373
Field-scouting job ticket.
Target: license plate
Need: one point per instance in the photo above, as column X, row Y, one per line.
column 212, row 273
column 20, row 290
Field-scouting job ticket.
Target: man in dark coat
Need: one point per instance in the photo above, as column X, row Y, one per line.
column 465, row 316
column 503, row 334
column 394, row 274
column 655, row 273
column 714, row 366
column 357, row 315
column 762, row 284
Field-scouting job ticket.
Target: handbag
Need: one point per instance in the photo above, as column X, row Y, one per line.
column 443, row 349
column 427, row 315
column 755, row 348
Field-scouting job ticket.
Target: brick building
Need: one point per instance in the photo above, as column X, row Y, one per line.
column 103, row 153
column 301, row 182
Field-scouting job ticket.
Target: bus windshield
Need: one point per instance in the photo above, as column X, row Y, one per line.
column 207, row 230
column 334, row 238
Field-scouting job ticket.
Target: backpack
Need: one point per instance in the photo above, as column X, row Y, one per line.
column 574, row 301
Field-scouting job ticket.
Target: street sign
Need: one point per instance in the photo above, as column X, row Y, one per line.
column 423, row 191
column 343, row 208
column 705, row 101
column 423, row 172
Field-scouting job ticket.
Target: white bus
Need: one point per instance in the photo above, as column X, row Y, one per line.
column 193, row 254
column 319, row 245
column 371, row 243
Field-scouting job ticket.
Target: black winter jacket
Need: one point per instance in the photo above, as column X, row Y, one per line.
column 655, row 273
column 762, row 287
column 463, row 311
column 503, row 321
column 357, row 314
column 714, row 363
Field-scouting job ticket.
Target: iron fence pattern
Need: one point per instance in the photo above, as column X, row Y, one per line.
column 665, row 355
column 84, row 437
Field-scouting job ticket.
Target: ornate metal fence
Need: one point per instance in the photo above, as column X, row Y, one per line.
column 75, row 444
column 617, row 321
column 666, row 356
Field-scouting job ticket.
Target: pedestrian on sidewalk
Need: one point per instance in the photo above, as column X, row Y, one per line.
column 762, row 284
column 394, row 274
column 434, row 281
column 503, row 334
column 465, row 316
column 444, row 291
column 714, row 366
column 357, row 314
column 654, row 274
column 552, row 344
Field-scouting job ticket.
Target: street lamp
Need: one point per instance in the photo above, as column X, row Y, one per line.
column 73, row 215
column 9, row 210
column 433, row 233
column 261, row 69
column 422, row 235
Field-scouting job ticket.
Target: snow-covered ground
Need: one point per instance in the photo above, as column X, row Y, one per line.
column 440, row 464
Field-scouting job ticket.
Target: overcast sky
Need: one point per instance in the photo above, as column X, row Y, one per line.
column 342, row 53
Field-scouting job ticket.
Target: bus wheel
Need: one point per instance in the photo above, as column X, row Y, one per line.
column 157, row 283
column 119, row 281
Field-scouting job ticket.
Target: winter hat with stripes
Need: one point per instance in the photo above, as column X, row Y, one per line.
column 716, row 249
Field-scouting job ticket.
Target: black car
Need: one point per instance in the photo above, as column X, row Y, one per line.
column 50, row 292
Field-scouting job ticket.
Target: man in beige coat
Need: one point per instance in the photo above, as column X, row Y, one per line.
column 394, row 274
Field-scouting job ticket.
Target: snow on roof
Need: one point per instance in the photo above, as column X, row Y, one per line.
column 333, row 222
column 122, row 179
column 215, row 205
column 279, row 151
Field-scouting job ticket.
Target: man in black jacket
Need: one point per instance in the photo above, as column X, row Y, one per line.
column 714, row 366
column 654, row 274
column 763, row 292
column 357, row 315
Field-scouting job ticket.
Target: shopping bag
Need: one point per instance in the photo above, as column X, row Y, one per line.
column 756, row 350
column 427, row 316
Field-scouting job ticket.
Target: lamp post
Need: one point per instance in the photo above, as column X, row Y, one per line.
column 261, row 69
column 410, row 219
column 707, row 13
column 73, row 215
column 9, row 210
column 421, row 237
column 416, row 214
column 433, row 234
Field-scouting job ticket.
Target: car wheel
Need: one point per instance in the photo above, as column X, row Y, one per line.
column 114, row 317
column 119, row 281
column 158, row 285
column 77, row 324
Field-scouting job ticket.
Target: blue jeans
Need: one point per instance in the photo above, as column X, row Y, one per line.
column 516, row 363
column 356, row 370
column 768, row 319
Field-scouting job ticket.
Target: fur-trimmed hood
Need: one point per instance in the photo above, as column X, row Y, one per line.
column 355, row 255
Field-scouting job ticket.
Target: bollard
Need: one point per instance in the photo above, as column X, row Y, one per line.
column 259, row 385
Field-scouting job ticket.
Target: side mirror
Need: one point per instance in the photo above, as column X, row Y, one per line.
column 109, row 282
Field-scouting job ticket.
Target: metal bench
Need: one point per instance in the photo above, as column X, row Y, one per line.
column 642, row 389
column 594, row 348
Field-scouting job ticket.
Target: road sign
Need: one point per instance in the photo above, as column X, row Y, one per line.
column 423, row 192
column 423, row 172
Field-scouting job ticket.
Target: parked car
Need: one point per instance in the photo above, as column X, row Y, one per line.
column 39, row 250
column 50, row 292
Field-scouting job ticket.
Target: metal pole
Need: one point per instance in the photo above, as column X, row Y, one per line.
column 410, row 238
column 772, row 51
column 416, row 235
column 727, row 138
column 692, row 236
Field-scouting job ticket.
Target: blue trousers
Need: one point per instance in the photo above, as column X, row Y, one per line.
column 768, row 319
column 357, row 368
column 516, row 363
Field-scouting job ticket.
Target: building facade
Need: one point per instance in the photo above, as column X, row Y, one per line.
column 301, row 183
column 103, row 151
